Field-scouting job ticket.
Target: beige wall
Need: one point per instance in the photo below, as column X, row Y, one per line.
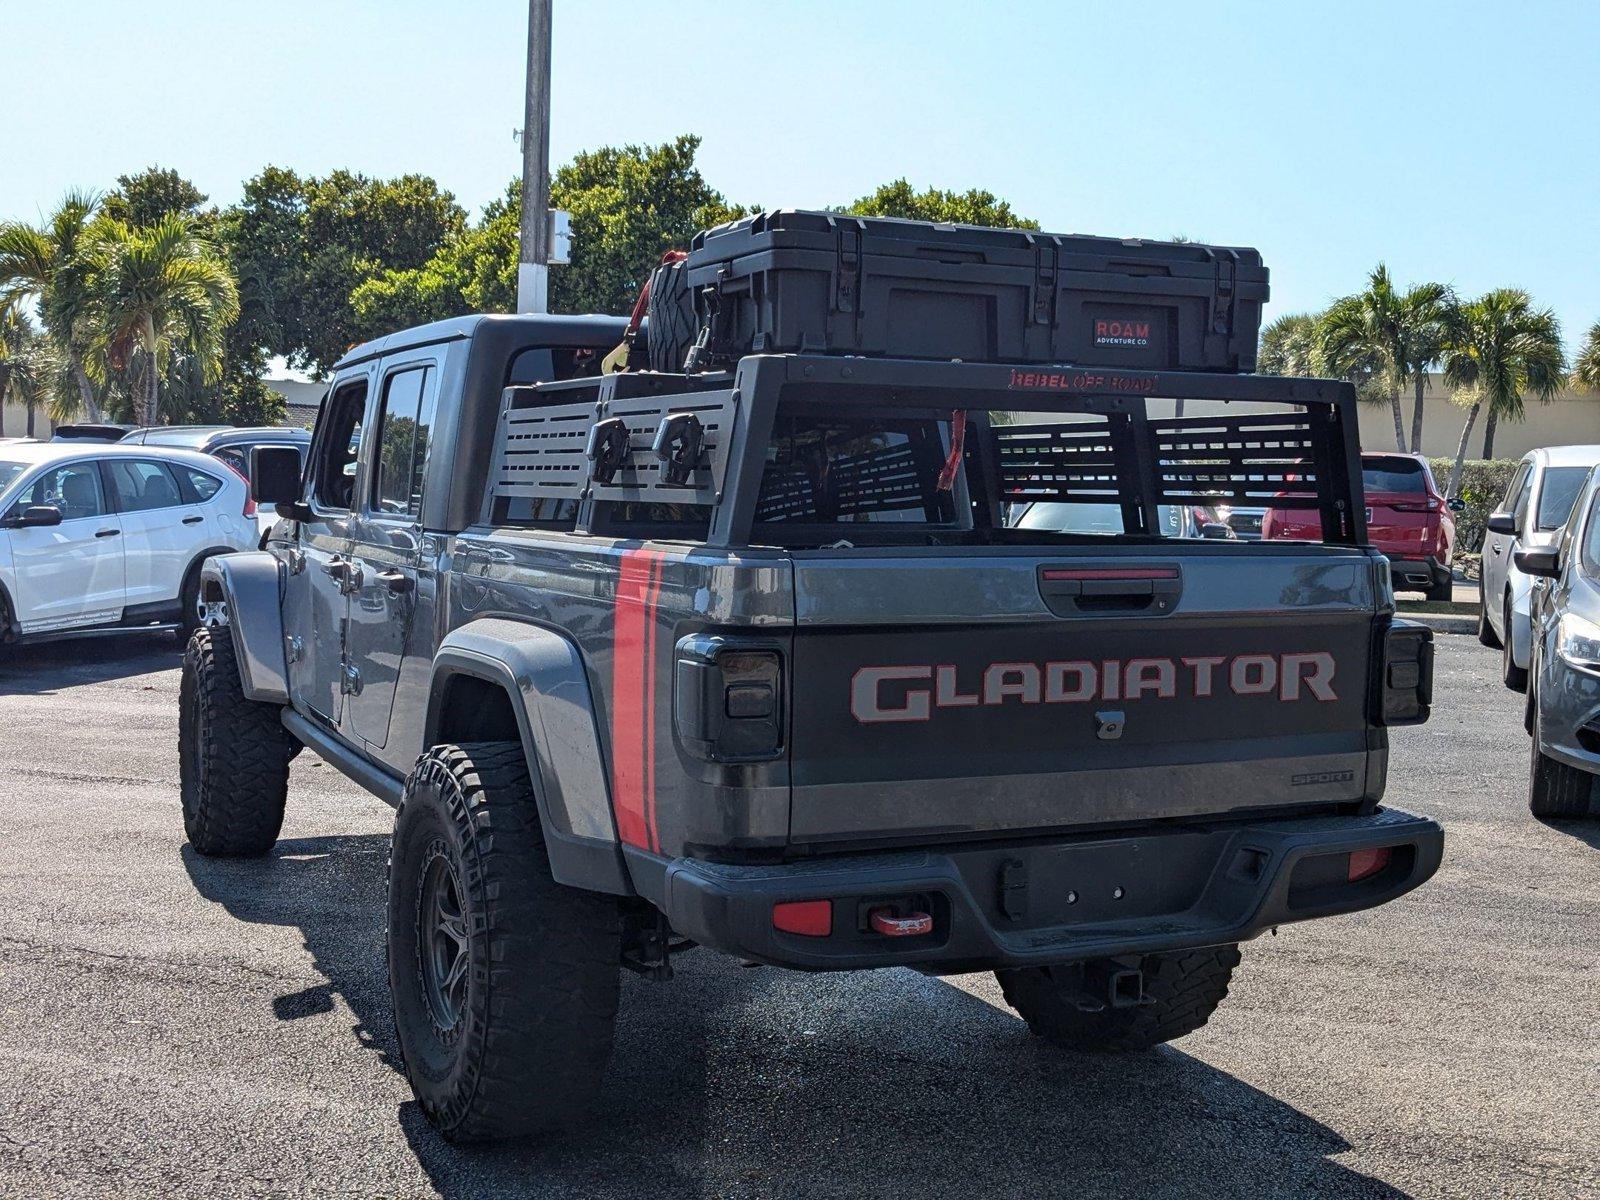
column 17, row 422
column 1572, row 418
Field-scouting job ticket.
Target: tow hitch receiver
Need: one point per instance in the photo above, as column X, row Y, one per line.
column 885, row 922
column 1108, row 983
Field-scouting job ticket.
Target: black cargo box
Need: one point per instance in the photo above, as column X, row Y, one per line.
column 826, row 283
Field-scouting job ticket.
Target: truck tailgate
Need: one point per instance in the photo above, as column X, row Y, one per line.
column 984, row 690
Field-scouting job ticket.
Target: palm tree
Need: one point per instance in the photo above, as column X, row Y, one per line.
column 1291, row 345
column 1501, row 349
column 51, row 265
column 1395, row 334
column 162, row 291
column 1586, row 370
column 26, row 365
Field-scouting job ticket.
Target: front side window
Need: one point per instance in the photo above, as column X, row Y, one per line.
column 339, row 447
column 143, row 486
column 404, row 431
column 1591, row 540
column 73, row 488
column 1558, row 492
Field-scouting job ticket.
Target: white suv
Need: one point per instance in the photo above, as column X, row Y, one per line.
column 107, row 536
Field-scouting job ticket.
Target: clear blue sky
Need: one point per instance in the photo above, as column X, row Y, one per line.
column 1459, row 142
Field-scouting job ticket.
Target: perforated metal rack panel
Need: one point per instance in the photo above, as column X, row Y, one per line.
column 540, row 452
column 1254, row 460
column 1075, row 462
column 1249, row 460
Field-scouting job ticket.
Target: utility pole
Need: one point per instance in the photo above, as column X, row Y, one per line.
column 533, row 268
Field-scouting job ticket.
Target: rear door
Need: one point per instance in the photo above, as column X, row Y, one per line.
column 1498, row 547
column 72, row 573
column 387, row 540
column 163, row 527
column 953, row 691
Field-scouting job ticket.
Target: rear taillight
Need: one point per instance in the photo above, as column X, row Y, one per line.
column 728, row 699
column 1429, row 505
column 249, row 500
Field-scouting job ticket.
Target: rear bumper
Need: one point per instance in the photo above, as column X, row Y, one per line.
column 1410, row 574
column 1037, row 903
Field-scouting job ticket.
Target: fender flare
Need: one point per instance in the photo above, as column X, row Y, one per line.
column 543, row 676
column 252, row 584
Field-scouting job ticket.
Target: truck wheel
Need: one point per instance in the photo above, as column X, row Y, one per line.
column 1515, row 677
column 505, row 983
column 233, row 753
column 1554, row 788
column 1441, row 589
column 1182, row 988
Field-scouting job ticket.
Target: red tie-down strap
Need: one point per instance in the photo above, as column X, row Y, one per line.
column 958, row 446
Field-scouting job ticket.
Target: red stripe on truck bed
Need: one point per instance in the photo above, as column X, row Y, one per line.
column 633, row 678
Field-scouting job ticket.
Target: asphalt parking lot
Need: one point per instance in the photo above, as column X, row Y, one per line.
column 173, row 1025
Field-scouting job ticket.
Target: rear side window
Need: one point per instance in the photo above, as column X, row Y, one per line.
column 1557, row 494
column 405, row 428
column 141, row 485
column 74, row 489
column 1393, row 475
column 829, row 470
column 205, row 486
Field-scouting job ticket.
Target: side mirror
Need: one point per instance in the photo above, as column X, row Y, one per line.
column 275, row 474
column 1216, row 529
column 1456, row 504
column 1546, row 564
column 35, row 516
column 1501, row 522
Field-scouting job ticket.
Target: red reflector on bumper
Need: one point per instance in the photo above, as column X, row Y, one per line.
column 1365, row 863
column 808, row 918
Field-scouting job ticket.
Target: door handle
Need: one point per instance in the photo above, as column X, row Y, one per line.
column 193, row 520
column 338, row 568
column 107, row 532
column 398, row 582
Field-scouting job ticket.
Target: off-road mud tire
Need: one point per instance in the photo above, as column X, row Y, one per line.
column 524, row 1047
column 233, row 754
column 672, row 326
column 1183, row 989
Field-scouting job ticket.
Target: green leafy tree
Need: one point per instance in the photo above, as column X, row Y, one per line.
column 629, row 206
column 972, row 207
column 162, row 294
column 1391, row 335
column 156, row 192
column 1292, row 345
column 355, row 229
column 1586, row 367
column 21, row 363
column 1501, row 349
column 50, row 264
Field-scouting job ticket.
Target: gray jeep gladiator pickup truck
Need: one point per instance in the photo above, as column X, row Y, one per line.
column 824, row 662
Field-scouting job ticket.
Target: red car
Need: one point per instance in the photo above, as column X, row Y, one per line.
column 1408, row 519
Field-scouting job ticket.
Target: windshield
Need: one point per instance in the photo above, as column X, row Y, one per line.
column 1093, row 518
column 1393, row 475
column 1557, row 494
column 9, row 472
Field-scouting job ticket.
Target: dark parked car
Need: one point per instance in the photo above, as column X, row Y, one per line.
column 90, row 431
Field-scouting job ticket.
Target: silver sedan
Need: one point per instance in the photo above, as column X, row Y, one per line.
column 1563, row 712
